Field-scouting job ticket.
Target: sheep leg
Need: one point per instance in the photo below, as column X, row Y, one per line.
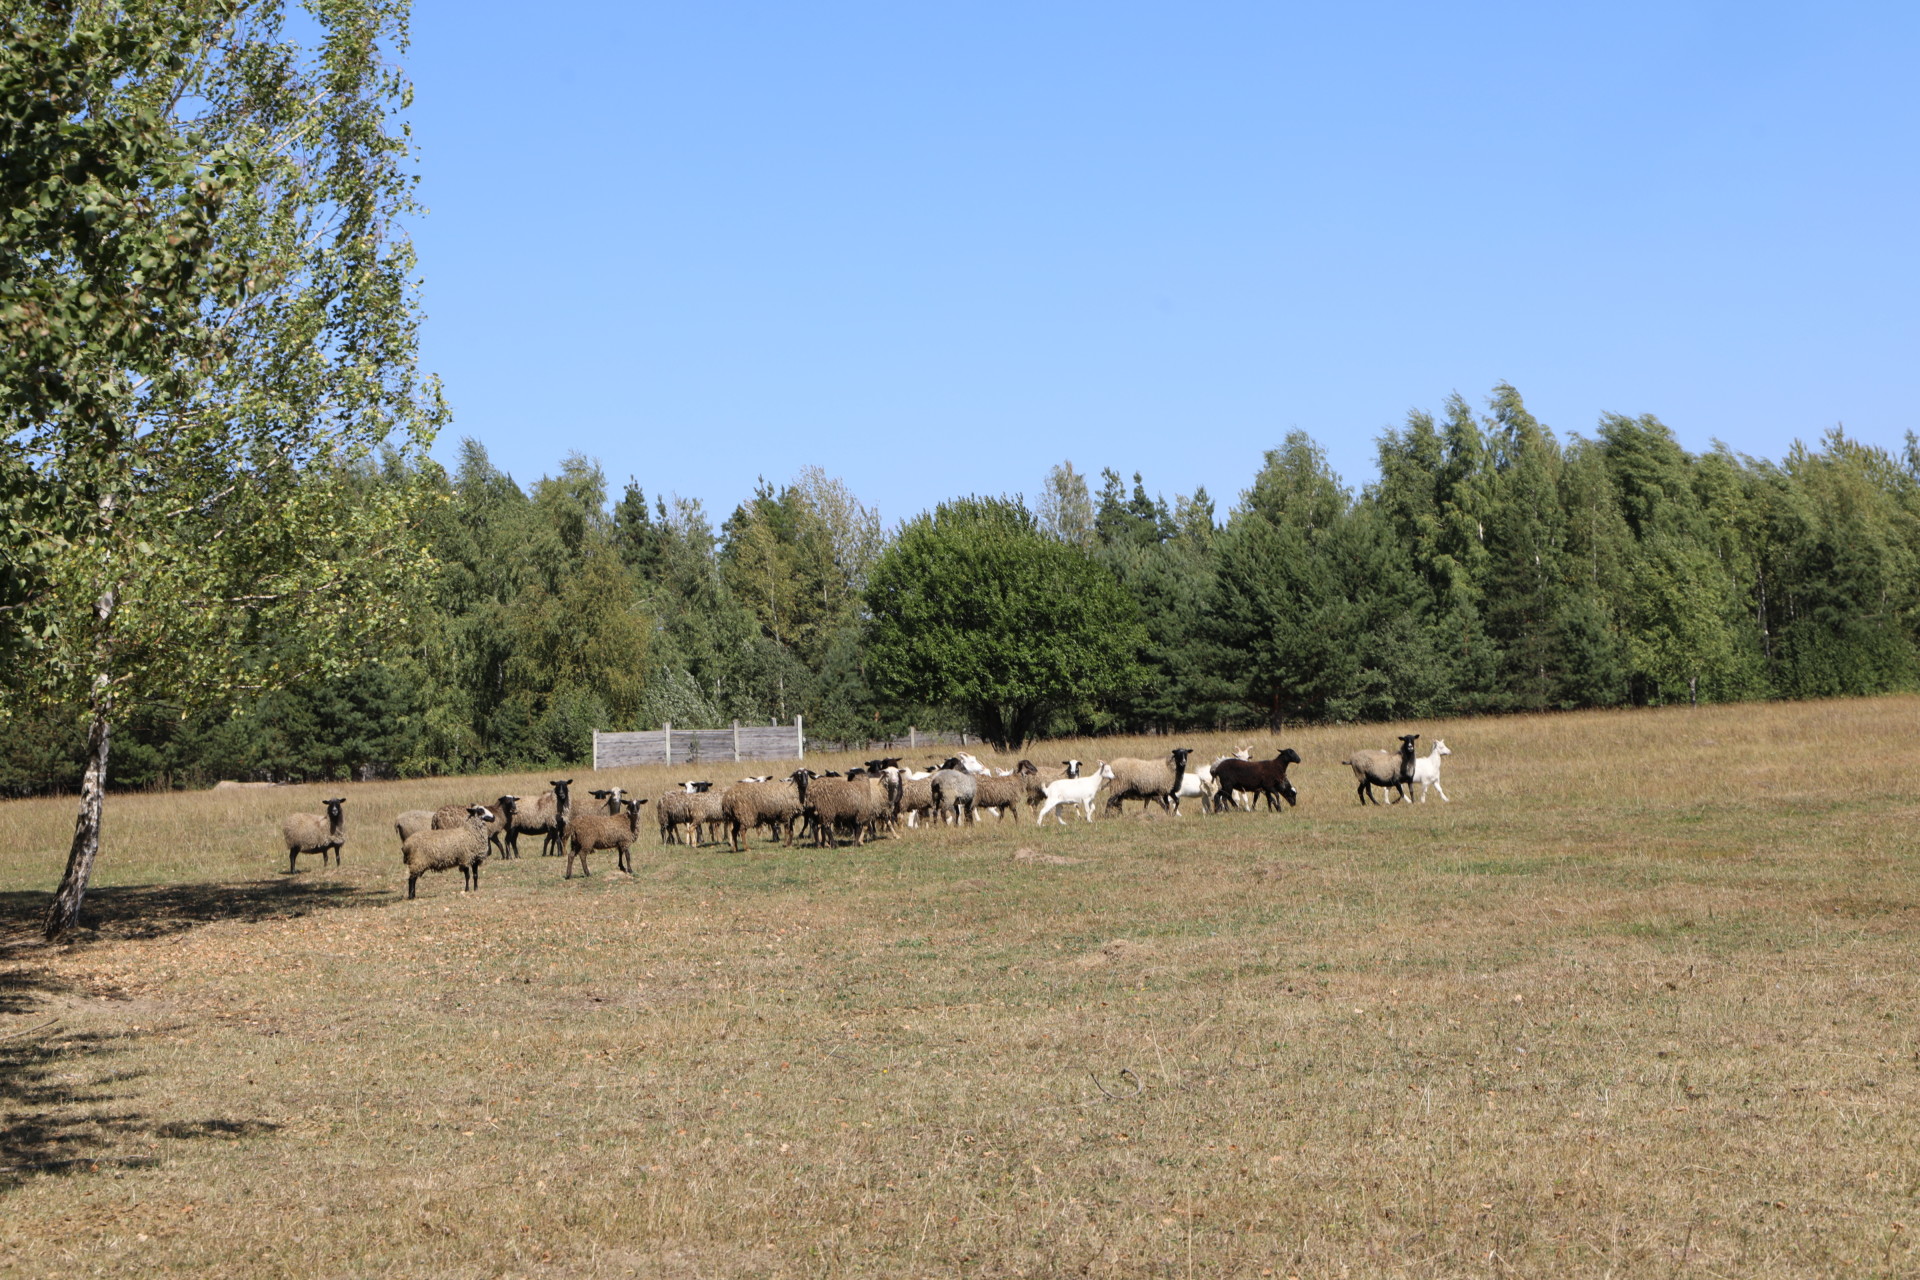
column 292, row 857
column 412, row 880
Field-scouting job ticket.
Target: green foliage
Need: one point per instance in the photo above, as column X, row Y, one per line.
column 975, row 608
column 207, row 329
column 1492, row 566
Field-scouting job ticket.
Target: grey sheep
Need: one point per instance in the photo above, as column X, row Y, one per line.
column 590, row 831
column 315, row 833
column 464, row 847
column 413, row 820
column 955, row 789
column 1393, row 769
column 546, row 816
column 760, row 804
column 862, row 803
column 1148, row 780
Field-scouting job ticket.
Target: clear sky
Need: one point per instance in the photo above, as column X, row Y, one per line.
column 938, row 248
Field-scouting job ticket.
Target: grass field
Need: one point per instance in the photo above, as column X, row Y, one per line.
column 1640, row 1001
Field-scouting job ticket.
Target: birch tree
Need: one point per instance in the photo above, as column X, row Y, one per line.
column 207, row 329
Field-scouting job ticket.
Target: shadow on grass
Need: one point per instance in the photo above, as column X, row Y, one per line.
column 60, row 1112
column 62, row 1102
column 160, row 910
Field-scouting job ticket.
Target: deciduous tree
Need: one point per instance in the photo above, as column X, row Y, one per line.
column 207, row 322
column 974, row 608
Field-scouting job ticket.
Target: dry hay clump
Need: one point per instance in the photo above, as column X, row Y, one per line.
column 1045, row 859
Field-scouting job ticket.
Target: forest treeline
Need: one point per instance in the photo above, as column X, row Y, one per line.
column 1492, row 566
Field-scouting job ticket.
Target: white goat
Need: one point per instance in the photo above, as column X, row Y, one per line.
column 1074, row 789
column 1426, row 773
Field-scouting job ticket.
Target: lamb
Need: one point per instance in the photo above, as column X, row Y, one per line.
column 1384, row 769
column 1148, row 780
column 547, row 815
column 863, row 803
column 313, row 833
column 464, row 847
column 761, row 804
column 413, row 820
column 1426, row 772
column 1257, row 777
column 955, row 789
column 1074, row 789
column 590, row 831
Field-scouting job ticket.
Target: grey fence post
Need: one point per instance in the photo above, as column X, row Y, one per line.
column 596, row 751
column 667, row 733
column 799, row 739
column 736, row 742
column 913, row 740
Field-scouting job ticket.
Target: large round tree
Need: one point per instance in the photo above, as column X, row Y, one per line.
column 975, row 609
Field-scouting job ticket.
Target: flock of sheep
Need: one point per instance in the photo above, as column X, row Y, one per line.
column 881, row 796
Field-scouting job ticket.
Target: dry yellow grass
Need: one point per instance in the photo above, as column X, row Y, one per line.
column 1638, row 1002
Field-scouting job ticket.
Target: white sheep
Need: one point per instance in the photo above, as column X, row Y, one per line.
column 1426, row 773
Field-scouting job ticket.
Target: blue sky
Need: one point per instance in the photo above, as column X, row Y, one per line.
column 937, row 249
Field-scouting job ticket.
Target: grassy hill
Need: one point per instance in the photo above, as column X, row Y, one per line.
column 1639, row 1001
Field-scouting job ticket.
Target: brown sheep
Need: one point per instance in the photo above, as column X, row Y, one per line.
column 314, row 833
column 590, row 831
